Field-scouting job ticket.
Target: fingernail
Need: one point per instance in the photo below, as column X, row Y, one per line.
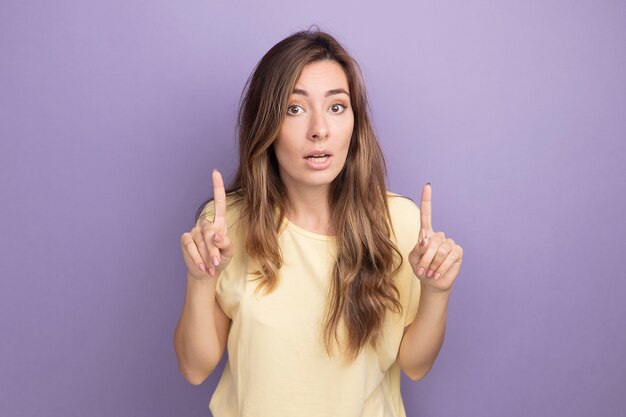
column 216, row 261
column 437, row 275
column 214, row 169
column 212, row 271
column 217, row 238
column 430, row 273
column 201, row 267
column 420, row 271
column 428, row 184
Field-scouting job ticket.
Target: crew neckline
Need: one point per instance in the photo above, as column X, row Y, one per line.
column 307, row 233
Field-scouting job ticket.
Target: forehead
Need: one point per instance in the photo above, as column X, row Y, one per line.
column 322, row 75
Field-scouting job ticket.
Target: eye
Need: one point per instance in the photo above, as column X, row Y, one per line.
column 338, row 108
column 294, row 109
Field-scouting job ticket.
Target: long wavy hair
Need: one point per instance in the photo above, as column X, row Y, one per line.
column 362, row 288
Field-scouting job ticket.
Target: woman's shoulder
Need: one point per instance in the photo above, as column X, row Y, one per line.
column 401, row 206
column 404, row 215
column 233, row 209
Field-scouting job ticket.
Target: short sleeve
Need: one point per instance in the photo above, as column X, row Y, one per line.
column 405, row 219
column 207, row 212
column 414, row 296
column 231, row 281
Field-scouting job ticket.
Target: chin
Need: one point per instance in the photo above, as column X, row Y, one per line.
column 320, row 180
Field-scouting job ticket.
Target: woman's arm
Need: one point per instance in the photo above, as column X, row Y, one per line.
column 436, row 261
column 423, row 338
column 201, row 333
column 202, row 330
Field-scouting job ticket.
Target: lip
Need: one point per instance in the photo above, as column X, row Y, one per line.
column 318, row 152
column 319, row 164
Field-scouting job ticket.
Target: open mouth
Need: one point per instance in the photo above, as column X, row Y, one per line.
column 317, row 158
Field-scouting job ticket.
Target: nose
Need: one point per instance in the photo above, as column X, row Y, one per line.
column 318, row 129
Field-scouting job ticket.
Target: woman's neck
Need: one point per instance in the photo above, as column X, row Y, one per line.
column 309, row 210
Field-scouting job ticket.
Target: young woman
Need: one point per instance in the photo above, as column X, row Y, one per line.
column 321, row 283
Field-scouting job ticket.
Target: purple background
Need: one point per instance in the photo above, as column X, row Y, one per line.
column 113, row 114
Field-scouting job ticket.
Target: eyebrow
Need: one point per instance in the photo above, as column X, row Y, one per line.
column 328, row 93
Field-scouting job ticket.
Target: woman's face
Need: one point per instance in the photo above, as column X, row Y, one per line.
column 314, row 137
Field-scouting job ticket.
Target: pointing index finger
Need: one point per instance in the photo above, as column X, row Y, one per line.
column 426, row 209
column 219, row 197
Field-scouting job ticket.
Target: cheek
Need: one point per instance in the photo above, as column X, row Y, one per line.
column 347, row 134
column 280, row 151
column 286, row 136
column 283, row 149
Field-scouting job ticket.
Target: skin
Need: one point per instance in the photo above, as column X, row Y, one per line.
column 436, row 261
column 202, row 330
column 319, row 117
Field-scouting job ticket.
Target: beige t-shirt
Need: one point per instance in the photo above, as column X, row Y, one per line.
column 277, row 364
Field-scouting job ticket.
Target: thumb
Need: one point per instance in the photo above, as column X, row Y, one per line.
column 224, row 244
column 418, row 251
column 422, row 245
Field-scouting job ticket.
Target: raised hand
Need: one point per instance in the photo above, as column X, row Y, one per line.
column 436, row 260
column 207, row 249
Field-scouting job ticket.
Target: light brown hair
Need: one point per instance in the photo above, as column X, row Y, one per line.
column 362, row 289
